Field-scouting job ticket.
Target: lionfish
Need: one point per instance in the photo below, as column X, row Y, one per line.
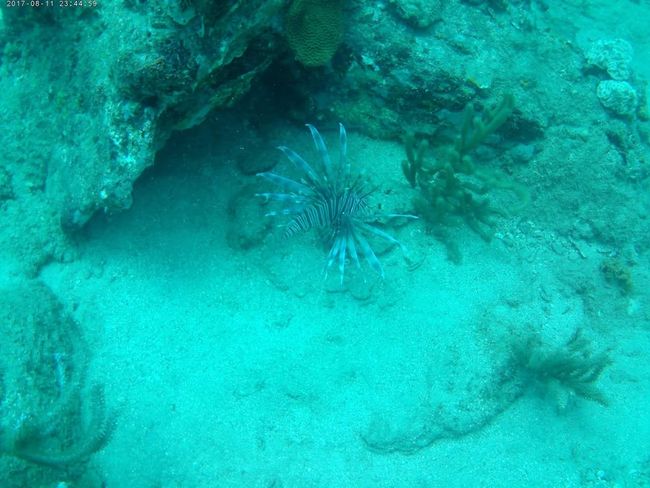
column 328, row 198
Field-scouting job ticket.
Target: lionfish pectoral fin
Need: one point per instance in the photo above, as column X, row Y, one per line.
column 342, row 249
column 370, row 255
column 322, row 151
column 301, row 164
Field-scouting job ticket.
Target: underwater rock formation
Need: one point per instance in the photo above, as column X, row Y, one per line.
column 49, row 418
column 417, row 13
column 84, row 123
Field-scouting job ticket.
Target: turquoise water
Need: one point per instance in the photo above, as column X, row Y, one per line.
column 169, row 318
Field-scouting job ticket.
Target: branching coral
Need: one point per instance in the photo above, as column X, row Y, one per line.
column 453, row 188
column 570, row 370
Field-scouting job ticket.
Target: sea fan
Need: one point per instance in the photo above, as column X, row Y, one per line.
column 328, row 198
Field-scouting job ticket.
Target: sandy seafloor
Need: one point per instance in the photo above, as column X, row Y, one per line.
column 245, row 368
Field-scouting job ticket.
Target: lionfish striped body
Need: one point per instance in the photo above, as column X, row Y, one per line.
column 328, row 198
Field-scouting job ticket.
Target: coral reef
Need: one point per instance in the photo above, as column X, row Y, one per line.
column 564, row 372
column 48, row 417
column 613, row 56
column 618, row 96
column 163, row 67
column 314, row 30
column 618, row 92
column 452, row 187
